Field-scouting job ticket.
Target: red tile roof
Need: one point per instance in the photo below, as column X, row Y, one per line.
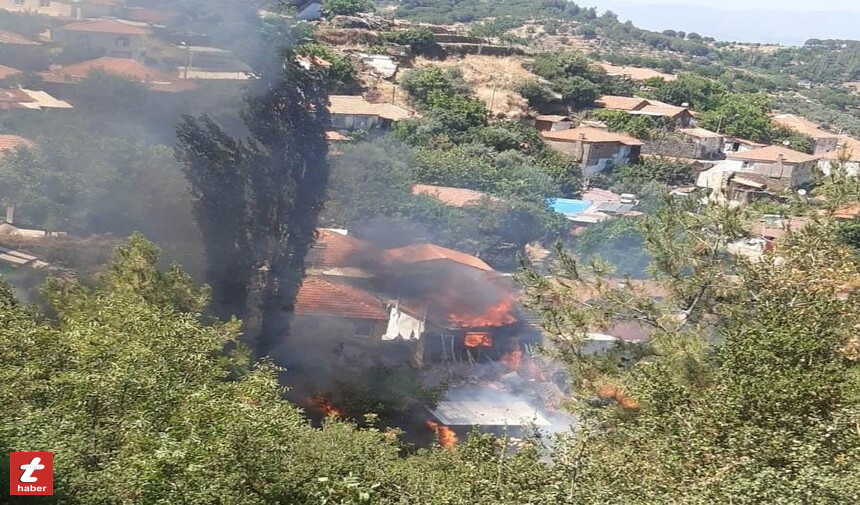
column 357, row 105
column 106, row 26
column 7, row 72
column 456, row 197
column 7, row 37
column 588, row 134
column 321, row 297
column 334, row 136
column 10, row 142
column 126, row 67
column 621, row 102
column 421, row 253
column 333, row 249
column 772, row 154
column 803, row 126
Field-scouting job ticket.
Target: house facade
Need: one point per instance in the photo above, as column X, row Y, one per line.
column 113, row 38
column 350, row 113
column 711, row 143
column 52, row 8
column 778, row 168
column 596, row 150
column 847, row 154
column 552, row 122
column 822, row 141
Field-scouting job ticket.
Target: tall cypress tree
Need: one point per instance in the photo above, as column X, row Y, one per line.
column 257, row 199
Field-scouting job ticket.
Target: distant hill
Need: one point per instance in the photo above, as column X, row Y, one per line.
column 755, row 25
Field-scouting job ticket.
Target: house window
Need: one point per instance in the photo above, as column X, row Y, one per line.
column 44, row 3
column 360, row 122
column 122, row 41
column 338, row 121
column 362, row 328
column 747, row 165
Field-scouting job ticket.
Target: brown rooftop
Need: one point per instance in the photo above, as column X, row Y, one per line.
column 773, row 154
column 359, row 106
column 124, row 67
column 321, row 297
column 621, row 102
column 422, row 253
column 803, row 126
column 11, row 142
column 334, row 249
column 588, row 134
column 456, row 197
column 699, row 133
column 7, row 37
column 107, row 26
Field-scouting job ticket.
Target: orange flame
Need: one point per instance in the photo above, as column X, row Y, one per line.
column 478, row 339
column 610, row 392
column 322, row 404
column 445, row 435
column 500, row 314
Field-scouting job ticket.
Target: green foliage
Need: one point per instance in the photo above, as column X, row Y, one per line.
column 342, row 76
column 420, row 84
column 699, row 93
column 641, row 127
column 672, row 173
column 577, row 91
column 849, row 234
column 744, row 116
column 257, row 200
column 333, row 8
column 793, row 139
column 620, row 242
column 102, row 92
column 537, row 94
column 456, row 113
column 419, row 39
column 557, row 65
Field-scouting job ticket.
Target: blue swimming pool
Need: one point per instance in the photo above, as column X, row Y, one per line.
column 568, row 206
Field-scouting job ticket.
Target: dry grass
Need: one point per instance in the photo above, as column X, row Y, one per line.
column 493, row 79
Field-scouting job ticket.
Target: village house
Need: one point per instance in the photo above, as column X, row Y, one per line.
column 552, row 122
column 325, row 307
column 455, row 197
column 680, row 117
column 28, row 99
column 19, row 52
column 59, row 78
column 822, row 141
column 356, row 113
column 53, row 8
column 595, row 149
column 711, row 143
column 846, row 154
column 759, row 173
column 734, row 145
column 776, row 167
column 336, row 254
column 12, row 142
column 112, row 37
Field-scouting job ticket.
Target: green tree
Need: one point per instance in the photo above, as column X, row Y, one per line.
column 699, row 93
column 342, row 75
column 333, row 8
column 424, row 82
column 577, row 91
column 257, row 201
column 744, row 116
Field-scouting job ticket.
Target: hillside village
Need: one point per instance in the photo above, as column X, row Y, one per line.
column 494, row 193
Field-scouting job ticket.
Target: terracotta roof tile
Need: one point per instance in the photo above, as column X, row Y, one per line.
column 421, row 253
column 7, row 72
column 456, row 197
column 321, row 297
column 7, row 37
column 660, row 110
column 334, row 136
column 700, row 133
column 554, row 118
column 333, row 249
column 772, row 154
column 10, row 142
column 802, row 125
column 588, row 134
column 849, row 148
column 357, row 105
column 621, row 102
column 126, row 67
column 106, row 26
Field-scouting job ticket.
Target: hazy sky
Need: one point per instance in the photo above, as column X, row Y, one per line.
column 797, row 5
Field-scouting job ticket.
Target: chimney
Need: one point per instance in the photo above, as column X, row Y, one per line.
column 582, row 136
column 10, row 214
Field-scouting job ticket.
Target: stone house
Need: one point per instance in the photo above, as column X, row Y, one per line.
column 595, row 149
